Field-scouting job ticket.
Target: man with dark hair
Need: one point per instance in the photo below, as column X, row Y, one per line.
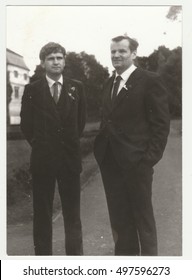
column 51, row 48
column 132, row 138
column 52, row 120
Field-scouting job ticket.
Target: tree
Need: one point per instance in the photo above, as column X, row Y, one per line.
column 155, row 61
column 39, row 72
column 174, row 12
column 9, row 91
column 96, row 75
column 168, row 63
column 143, row 62
column 171, row 73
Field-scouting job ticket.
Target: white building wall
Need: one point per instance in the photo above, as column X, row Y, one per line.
column 17, row 83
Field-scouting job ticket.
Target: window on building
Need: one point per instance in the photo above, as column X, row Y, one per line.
column 25, row 76
column 16, row 74
column 16, row 89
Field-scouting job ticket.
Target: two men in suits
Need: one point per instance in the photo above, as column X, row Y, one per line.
column 52, row 121
column 132, row 139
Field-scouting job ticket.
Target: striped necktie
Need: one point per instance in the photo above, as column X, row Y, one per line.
column 56, row 92
column 116, row 87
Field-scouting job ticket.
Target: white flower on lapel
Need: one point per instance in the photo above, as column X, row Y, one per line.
column 70, row 95
column 125, row 87
column 129, row 87
column 71, row 91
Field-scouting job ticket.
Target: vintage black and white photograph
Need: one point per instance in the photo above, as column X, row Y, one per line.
column 94, row 130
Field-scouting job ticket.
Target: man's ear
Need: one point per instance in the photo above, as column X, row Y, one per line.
column 42, row 64
column 134, row 54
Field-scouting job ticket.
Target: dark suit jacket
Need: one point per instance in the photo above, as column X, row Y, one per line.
column 137, row 125
column 53, row 130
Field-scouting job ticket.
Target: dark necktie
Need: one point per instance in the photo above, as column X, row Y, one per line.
column 56, row 92
column 116, row 87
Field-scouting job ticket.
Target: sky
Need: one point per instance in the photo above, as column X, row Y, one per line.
column 89, row 29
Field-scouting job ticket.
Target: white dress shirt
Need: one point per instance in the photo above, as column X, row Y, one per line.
column 125, row 76
column 51, row 82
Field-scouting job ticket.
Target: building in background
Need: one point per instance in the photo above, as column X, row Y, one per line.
column 18, row 77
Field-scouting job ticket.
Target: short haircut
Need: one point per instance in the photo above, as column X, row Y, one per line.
column 49, row 48
column 133, row 44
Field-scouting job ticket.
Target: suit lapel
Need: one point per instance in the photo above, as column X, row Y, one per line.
column 132, row 81
column 46, row 90
column 107, row 94
column 46, row 93
column 66, row 100
column 66, row 95
column 63, row 94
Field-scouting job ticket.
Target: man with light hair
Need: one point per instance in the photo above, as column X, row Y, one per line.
column 132, row 138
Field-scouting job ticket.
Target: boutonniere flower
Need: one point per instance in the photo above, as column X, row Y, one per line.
column 129, row 87
column 71, row 92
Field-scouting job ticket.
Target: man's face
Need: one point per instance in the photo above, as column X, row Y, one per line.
column 54, row 64
column 121, row 55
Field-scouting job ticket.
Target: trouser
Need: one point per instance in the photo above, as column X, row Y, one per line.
column 129, row 199
column 43, row 195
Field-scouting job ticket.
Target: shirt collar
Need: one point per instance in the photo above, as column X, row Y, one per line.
column 51, row 82
column 126, row 74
